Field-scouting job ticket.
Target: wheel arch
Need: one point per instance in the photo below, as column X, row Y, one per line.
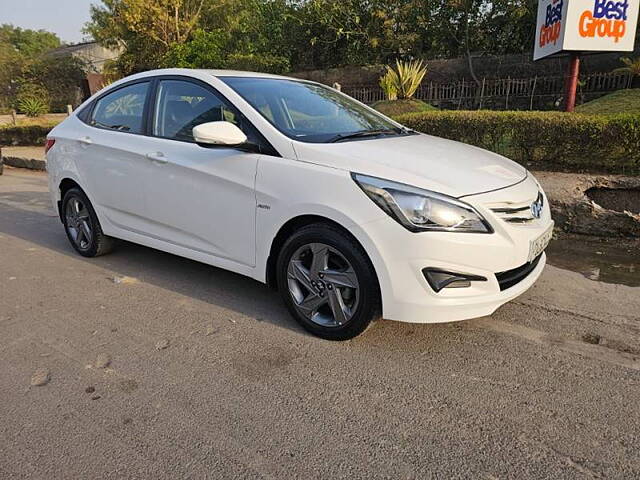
column 64, row 186
column 295, row 223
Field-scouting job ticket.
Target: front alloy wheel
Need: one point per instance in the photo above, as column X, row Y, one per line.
column 328, row 282
column 323, row 285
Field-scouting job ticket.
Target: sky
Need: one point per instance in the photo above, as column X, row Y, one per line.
column 63, row 17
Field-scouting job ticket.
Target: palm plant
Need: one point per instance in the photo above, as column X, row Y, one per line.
column 403, row 82
column 33, row 106
column 388, row 84
column 632, row 66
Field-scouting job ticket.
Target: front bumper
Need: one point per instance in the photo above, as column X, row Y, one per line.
column 400, row 256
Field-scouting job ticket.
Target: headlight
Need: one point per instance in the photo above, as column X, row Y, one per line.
column 421, row 210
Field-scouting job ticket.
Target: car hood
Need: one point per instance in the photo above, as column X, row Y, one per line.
column 424, row 161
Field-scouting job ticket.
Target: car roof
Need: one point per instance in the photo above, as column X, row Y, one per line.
column 213, row 73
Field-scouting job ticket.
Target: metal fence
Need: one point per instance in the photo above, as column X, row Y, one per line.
column 537, row 93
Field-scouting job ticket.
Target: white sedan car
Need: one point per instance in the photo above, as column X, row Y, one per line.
column 352, row 216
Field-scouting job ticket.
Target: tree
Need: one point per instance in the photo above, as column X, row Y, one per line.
column 147, row 28
column 61, row 76
column 192, row 33
column 20, row 49
column 29, row 43
column 29, row 75
column 308, row 34
column 204, row 50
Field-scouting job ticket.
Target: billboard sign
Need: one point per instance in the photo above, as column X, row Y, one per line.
column 585, row 26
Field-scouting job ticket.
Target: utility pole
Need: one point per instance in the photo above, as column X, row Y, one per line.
column 571, row 82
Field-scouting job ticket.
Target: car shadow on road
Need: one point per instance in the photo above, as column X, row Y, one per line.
column 28, row 216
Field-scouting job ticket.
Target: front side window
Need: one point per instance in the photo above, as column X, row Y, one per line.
column 310, row 112
column 181, row 105
column 122, row 110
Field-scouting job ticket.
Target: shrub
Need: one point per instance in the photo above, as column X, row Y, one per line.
column 394, row 108
column 550, row 140
column 24, row 135
column 388, row 84
column 32, row 106
column 403, row 82
column 32, row 99
column 257, row 63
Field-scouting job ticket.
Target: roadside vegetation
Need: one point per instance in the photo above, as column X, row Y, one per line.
column 399, row 85
column 281, row 35
column 25, row 135
column 31, row 81
column 393, row 108
column 621, row 101
column 543, row 140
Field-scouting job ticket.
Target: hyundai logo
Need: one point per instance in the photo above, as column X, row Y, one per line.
column 536, row 207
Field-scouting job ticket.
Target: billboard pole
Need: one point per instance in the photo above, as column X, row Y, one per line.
column 571, row 82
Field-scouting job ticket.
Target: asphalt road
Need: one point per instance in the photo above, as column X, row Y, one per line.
column 162, row 368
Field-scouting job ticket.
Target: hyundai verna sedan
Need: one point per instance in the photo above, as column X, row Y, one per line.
column 350, row 215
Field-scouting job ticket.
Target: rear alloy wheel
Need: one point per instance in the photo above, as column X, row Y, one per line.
column 328, row 283
column 82, row 225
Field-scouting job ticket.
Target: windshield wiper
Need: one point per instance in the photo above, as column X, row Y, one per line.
column 364, row 133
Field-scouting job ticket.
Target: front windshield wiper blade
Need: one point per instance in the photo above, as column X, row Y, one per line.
column 364, row 133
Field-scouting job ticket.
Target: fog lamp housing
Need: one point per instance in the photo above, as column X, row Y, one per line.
column 439, row 279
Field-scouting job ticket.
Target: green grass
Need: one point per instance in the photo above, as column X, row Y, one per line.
column 622, row 101
column 393, row 108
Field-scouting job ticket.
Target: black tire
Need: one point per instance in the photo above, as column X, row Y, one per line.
column 368, row 307
column 98, row 243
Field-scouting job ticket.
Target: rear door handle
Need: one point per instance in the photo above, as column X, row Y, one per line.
column 85, row 140
column 157, row 157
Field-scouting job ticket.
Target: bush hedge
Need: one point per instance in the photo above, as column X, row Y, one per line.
column 545, row 140
column 538, row 140
column 24, row 135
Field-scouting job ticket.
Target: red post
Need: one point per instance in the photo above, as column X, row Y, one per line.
column 571, row 82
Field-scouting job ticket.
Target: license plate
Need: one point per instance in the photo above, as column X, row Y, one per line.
column 537, row 246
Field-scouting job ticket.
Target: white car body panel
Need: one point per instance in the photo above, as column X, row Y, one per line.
column 423, row 161
column 192, row 179
column 224, row 207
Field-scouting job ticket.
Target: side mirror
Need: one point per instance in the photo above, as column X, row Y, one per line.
column 219, row 134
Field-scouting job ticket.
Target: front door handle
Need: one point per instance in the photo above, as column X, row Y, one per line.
column 157, row 157
column 85, row 140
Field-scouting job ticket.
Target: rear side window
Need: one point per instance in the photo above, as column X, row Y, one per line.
column 181, row 105
column 122, row 110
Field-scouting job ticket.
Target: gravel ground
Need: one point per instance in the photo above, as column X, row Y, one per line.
column 141, row 364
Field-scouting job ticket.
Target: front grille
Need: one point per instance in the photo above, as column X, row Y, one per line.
column 522, row 213
column 512, row 277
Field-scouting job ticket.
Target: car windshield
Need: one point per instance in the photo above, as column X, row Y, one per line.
column 310, row 112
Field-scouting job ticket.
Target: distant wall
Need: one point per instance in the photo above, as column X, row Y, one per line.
column 96, row 55
column 93, row 54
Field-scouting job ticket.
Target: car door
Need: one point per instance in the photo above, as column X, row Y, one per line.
column 112, row 155
column 199, row 198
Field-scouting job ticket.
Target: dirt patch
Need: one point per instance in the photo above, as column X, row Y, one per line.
column 128, row 386
column 585, row 204
column 617, row 199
